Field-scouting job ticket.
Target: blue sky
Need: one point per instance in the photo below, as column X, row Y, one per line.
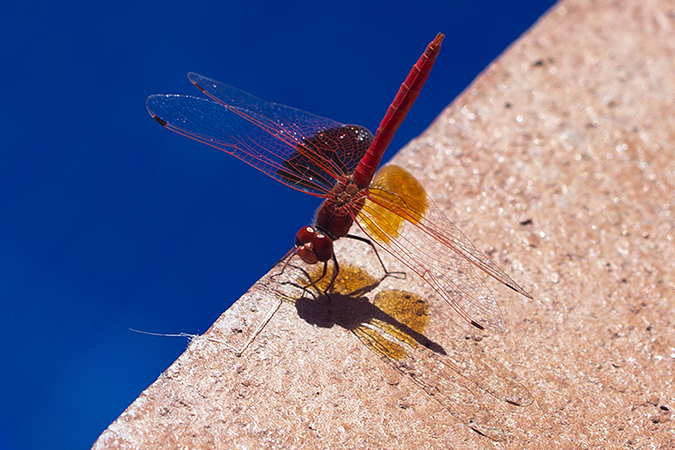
column 110, row 222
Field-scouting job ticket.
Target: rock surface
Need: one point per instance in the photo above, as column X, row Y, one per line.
column 559, row 161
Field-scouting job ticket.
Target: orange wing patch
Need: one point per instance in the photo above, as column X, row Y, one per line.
column 395, row 197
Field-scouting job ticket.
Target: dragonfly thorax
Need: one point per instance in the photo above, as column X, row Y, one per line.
column 336, row 214
column 333, row 220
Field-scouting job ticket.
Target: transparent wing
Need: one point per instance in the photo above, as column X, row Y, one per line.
column 303, row 123
column 407, row 224
column 301, row 150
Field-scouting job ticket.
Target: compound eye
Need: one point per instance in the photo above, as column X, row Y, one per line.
column 306, row 253
column 304, row 236
column 323, row 247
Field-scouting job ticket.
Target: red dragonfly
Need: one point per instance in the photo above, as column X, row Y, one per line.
column 338, row 163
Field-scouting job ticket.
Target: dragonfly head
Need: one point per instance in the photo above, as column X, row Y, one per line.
column 313, row 246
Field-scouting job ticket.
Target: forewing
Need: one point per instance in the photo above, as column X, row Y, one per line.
column 297, row 122
column 241, row 133
column 407, row 224
column 299, row 149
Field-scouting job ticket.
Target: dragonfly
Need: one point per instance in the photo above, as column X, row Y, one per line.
column 338, row 163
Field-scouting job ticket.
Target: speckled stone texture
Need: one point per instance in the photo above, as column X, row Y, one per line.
column 559, row 162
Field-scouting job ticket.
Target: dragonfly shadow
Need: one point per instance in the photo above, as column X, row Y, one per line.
column 352, row 313
column 393, row 324
column 399, row 315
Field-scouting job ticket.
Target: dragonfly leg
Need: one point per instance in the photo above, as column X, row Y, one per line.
column 336, row 270
column 312, row 283
column 397, row 275
column 286, row 259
